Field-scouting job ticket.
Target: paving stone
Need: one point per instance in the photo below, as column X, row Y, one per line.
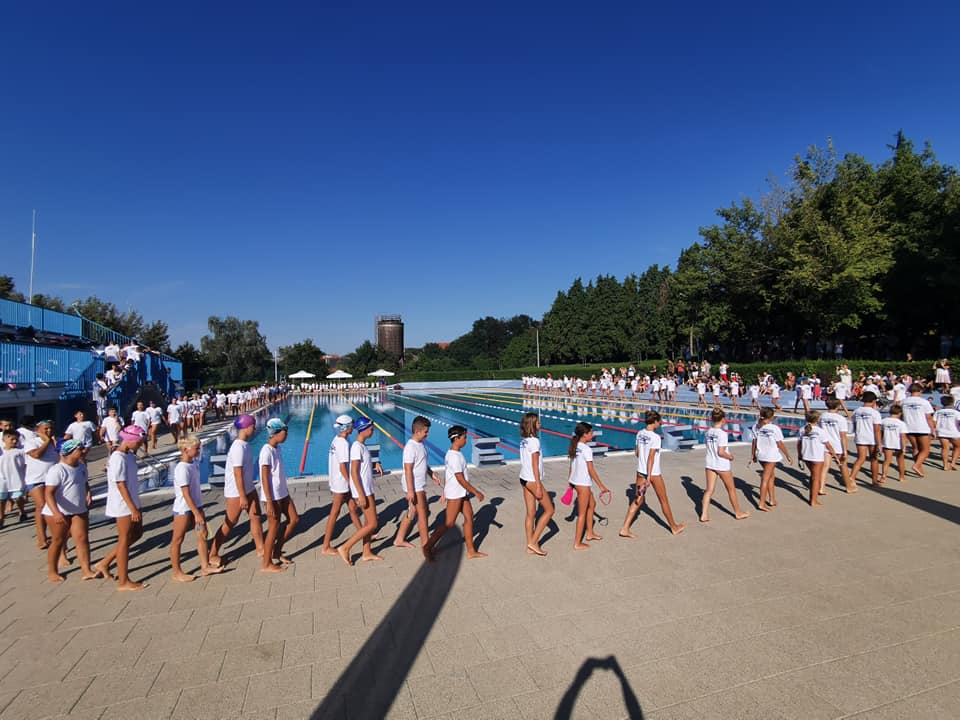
column 271, row 689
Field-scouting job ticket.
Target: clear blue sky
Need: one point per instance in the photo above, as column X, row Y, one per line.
column 310, row 167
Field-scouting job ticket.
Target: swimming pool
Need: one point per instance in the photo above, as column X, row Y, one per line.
column 485, row 413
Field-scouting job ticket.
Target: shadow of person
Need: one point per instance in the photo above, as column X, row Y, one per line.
column 372, row 680
column 483, row 518
column 929, row 505
column 569, row 699
column 552, row 528
column 747, row 490
column 694, row 492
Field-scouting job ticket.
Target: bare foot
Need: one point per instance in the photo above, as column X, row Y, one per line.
column 593, row 537
column 402, row 544
column 536, row 550
column 742, row 515
column 284, row 560
column 91, row 574
column 271, row 568
column 822, row 492
column 211, row 570
column 704, row 518
column 677, row 529
column 852, row 489
column 581, row 546
column 626, row 534
column 182, row 577
column 763, row 508
column 919, row 471
column 476, row 555
column 55, row 578
column 370, row 557
column 216, row 561
column 816, row 503
column 328, row 551
column 773, row 502
column 131, row 586
column 259, row 552
column 342, row 552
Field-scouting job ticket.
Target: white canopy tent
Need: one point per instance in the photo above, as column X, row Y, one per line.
column 339, row 375
column 301, row 375
column 381, row 373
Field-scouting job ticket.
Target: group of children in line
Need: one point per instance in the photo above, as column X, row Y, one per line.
column 58, row 482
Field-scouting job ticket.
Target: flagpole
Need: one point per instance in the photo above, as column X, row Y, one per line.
column 33, row 251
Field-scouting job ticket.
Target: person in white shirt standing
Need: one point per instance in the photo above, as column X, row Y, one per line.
column 174, row 415
column 918, row 415
column 141, row 419
column 123, row 504
column 894, row 442
column 531, row 480
column 868, row 436
column 155, row 415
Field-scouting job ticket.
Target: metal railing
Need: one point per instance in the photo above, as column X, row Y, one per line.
column 23, row 315
column 23, row 364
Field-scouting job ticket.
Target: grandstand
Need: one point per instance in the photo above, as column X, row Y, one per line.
column 49, row 361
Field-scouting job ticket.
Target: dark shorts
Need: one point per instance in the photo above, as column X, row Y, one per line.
column 918, row 435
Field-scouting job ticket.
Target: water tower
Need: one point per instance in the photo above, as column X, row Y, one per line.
column 389, row 334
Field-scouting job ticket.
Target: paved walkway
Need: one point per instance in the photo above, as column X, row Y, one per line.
column 852, row 610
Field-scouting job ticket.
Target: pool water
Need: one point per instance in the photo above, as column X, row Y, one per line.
column 485, row 413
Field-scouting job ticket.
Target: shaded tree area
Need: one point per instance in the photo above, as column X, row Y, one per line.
column 235, row 351
column 303, row 355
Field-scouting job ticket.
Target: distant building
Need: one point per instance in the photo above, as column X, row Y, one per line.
column 389, row 334
column 332, row 361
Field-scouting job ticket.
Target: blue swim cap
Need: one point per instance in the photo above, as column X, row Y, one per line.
column 362, row 423
column 275, row 425
column 69, row 446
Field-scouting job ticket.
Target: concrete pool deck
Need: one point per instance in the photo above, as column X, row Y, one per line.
column 851, row 610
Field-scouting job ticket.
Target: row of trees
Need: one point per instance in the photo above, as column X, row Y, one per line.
column 845, row 253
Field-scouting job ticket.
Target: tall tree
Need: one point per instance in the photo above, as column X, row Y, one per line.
column 128, row 323
column 195, row 371
column 8, row 290
column 156, row 336
column 302, row 356
column 235, row 351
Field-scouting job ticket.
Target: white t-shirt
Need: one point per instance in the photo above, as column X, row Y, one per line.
column 414, row 453
column 121, row 467
column 186, row 479
column 774, row 391
column 358, row 451
column 111, row 428
column 714, row 439
column 155, row 415
column 840, row 391
column 13, row 470
column 82, row 431
column 579, row 472
column 865, row 419
column 272, row 458
column 915, row 411
column 140, row 419
column 173, row 413
column 833, row 424
column 37, row 467
column 648, row 440
column 339, row 453
column 946, row 420
column 768, row 436
column 701, row 388
column 71, row 488
column 239, row 456
column 814, row 445
column 528, row 447
column 454, row 463
column 893, row 428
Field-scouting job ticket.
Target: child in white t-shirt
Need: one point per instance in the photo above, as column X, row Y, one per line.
column 867, row 435
column 13, row 471
column 717, row 463
column 413, row 483
column 647, row 450
column 361, row 487
column 894, row 431
column 701, row 394
column 812, row 444
column 456, row 488
column 835, row 426
column 582, row 477
column 276, row 498
column 947, row 420
column 768, row 448
column 531, row 480
column 188, row 510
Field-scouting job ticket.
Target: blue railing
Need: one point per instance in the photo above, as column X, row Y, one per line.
column 30, row 365
column 22, row 315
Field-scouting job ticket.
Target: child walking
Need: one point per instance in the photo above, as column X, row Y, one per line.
column 867, row 435
column 769, row 449
column 13, row 471
column 810, row 448
column 413, row 483
column 918, row 415
column 188, row 510
column 647, row 451
column 41, row 455
column 718, row 465
column 338, row 474
column 123, row 504
column 835, row 425
column 455, row 489
column 947, row 420
column 582, row 477
column 531, row 480
column 894, row 442
column 275, row 497
column 361, row 487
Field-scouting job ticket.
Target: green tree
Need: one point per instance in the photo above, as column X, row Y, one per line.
column 195, row 371
column 235, row 351
column 367, row 358
column 302, row 356
column 128, row 323
column 8, row 289
column 50, row 302
column 156, row 336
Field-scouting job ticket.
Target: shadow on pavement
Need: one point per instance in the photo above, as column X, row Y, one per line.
column 934, row 507
column 373, row 679
column 569, row 699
